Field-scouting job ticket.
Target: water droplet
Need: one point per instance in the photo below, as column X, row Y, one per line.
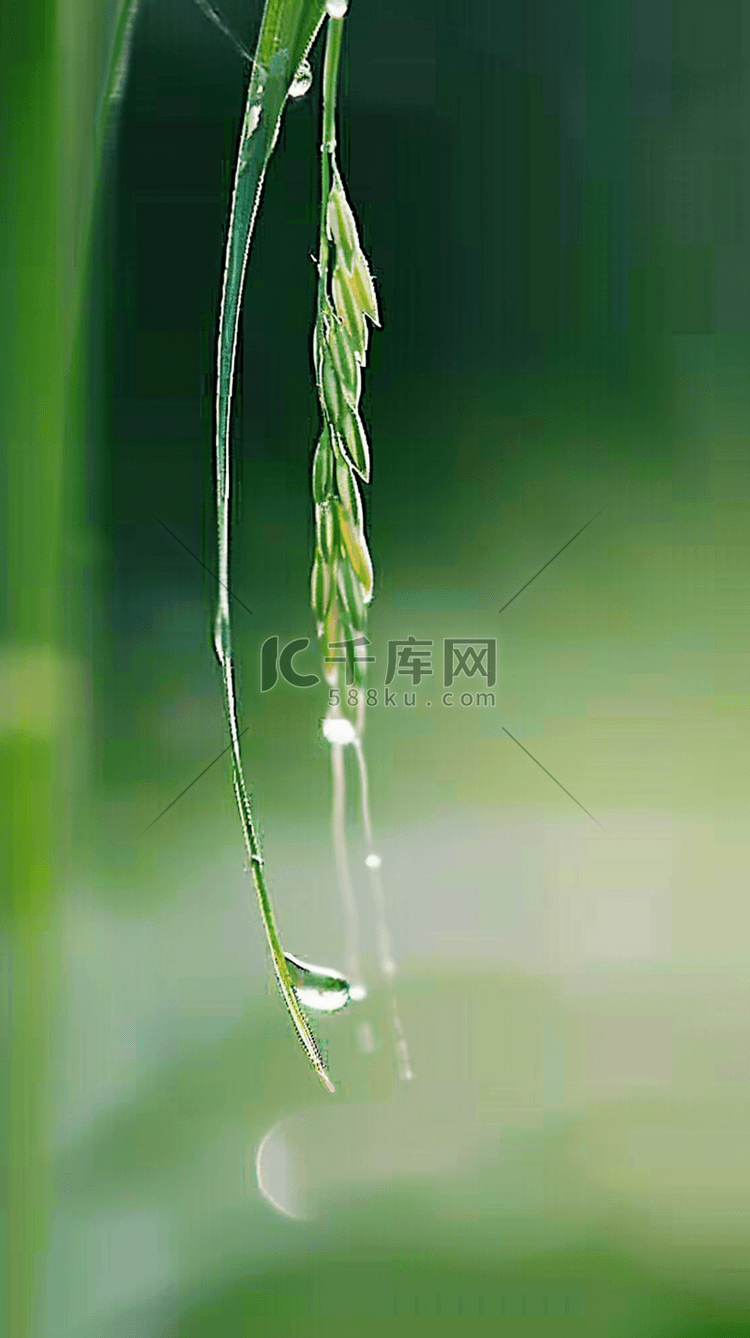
column 301, row 81
column 222, row 640
column 336, row 9
column 373, row 861
column 357, row 993
column 318, row 987
column 337, row 729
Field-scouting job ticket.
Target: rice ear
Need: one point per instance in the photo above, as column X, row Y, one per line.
column 347, row 367
column 340, row 341
column 334, row 400
column 321, row 586
column 322, row 468
column 326, row 529
column 363, row 288
column 351, row 593
column 354, row 548
column 340, row 223
column 355, row 443
column 349, row 312
column 348, row 491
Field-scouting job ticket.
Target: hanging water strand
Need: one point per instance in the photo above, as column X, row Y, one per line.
column 343, row 873
column 386, row 961
column 373, row 862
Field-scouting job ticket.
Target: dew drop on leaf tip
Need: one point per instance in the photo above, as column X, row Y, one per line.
column 336, row 9
column 319, row 988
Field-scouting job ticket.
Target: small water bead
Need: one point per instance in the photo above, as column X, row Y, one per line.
column 373, row 861
column 222, row 639
column 319, row 988
column 337, row 729
column 336, row 9
column 357, row 993
column 301, row 81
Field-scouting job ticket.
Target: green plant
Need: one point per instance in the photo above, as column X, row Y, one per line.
column 342, row 576
column 288, row 29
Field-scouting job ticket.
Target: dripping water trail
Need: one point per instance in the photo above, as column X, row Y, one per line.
column 373, row 863
column 343, row 872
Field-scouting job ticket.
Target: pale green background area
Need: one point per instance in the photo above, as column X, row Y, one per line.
column 554, row 199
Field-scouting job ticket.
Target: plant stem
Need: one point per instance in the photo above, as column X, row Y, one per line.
column 287, row 31
column 93, row 164
column 328, row 142
column 49, row 75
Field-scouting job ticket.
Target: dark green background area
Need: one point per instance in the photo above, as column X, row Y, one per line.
column 554, row 201
column 554, row 198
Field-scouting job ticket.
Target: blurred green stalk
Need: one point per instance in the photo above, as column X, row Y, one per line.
column 58, row 63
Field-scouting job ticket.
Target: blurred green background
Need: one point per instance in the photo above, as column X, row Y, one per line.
column 554, row 197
